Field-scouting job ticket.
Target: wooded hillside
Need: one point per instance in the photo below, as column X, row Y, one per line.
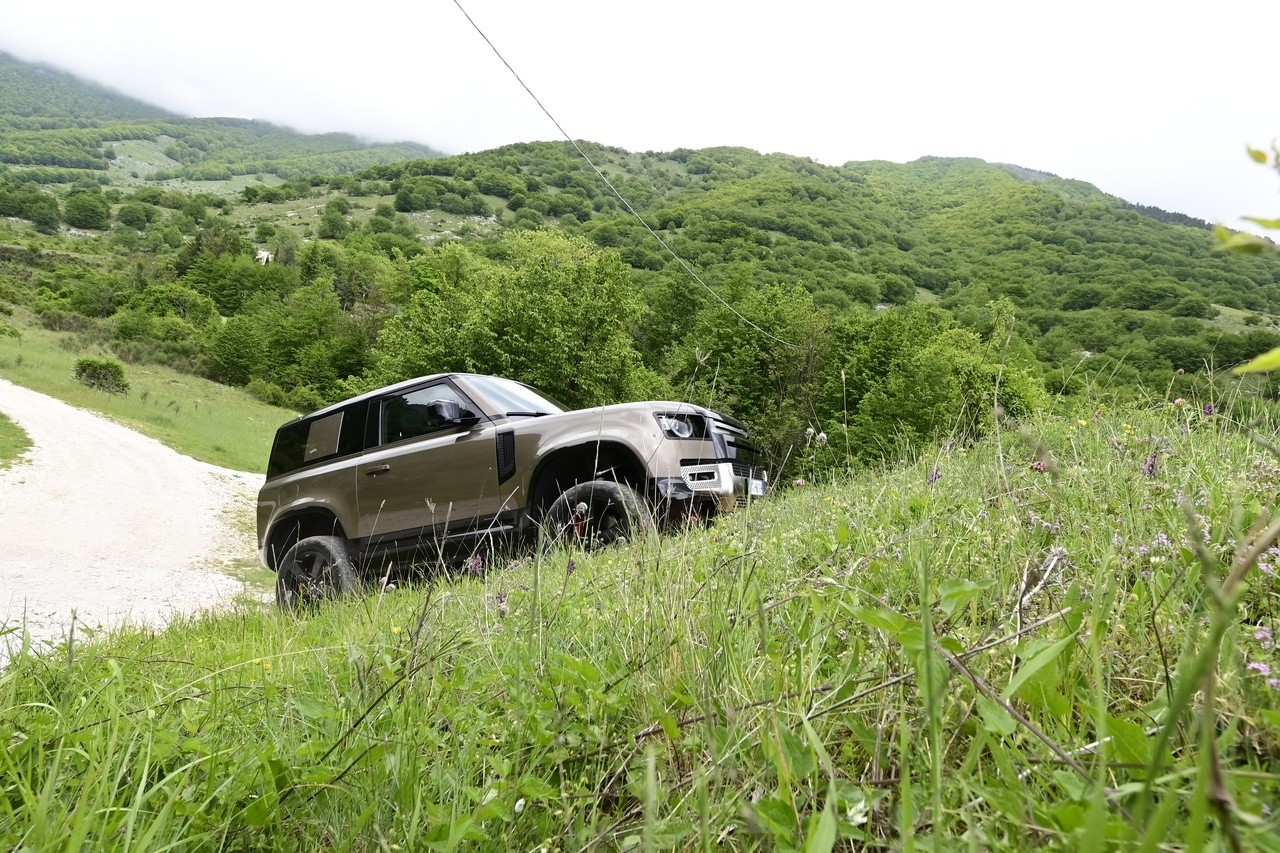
column 878, row 304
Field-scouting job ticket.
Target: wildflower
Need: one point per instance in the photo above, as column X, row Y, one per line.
column 798, row 481
column 1128, row 427
column 1208, row 408
column 934, row 476
column 1082, row 423
column 475, row 564
column 1161, row 543
column 1263, row 635
column 395, row 629
column 1149, row 467
column 519, row 805
column 571, row 568
column 1273, row 683
column 808, row 434
column 1039, row 465
column 821, row 439
column 1180, row 402
column 1259, row 667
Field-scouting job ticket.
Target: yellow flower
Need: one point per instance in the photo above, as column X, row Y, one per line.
column 395, row 629
column 1082, row 422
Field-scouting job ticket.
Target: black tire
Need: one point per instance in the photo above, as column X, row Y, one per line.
column 315, row 569
column 596, row 514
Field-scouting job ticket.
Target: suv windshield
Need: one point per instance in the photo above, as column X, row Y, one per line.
column 514, row 398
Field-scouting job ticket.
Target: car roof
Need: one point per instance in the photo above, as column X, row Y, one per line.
column 377, row 392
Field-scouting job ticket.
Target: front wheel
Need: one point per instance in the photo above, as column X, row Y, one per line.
column 315, row 569
column 596, row 514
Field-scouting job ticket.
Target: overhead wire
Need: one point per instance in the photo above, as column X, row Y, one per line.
column 599, row 173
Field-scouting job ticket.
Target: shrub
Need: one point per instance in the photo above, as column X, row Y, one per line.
column 105, row 374
column 267, row 392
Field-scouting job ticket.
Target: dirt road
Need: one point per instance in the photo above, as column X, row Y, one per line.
column 105, row 524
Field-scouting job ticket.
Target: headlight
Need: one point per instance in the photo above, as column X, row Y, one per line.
column 682, row 426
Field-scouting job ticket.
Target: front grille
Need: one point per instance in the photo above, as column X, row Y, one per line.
column 754, row 472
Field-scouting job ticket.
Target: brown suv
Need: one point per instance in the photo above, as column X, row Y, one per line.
column 446, row 469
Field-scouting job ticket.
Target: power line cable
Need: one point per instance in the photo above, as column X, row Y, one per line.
column 663, row 243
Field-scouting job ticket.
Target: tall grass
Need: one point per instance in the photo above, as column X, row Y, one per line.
column 984, row 650
column 211, row 422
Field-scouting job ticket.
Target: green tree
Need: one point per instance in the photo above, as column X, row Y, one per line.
column 234, row 351
column 136, row 215
column 557, row 313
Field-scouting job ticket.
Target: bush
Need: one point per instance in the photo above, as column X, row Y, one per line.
column 267, row 392
column 104, row 374
column 57, row 320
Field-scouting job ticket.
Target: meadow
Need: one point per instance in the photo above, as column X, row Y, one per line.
column 205, row 420
column 1061, row 637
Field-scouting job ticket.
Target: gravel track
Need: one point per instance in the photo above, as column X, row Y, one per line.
column 104, row 525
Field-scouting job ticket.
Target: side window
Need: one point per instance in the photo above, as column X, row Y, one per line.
column 406, row 415
column 322, row 438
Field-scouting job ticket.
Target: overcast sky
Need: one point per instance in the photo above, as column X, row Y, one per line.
column 1150, row 101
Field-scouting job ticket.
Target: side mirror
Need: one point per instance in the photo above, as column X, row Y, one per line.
column 440, row 412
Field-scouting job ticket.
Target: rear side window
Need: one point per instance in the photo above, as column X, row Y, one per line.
column 308, row 442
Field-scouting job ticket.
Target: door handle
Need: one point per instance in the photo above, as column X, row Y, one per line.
column 376, row 470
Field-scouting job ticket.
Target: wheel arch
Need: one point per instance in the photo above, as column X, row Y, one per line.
column 581, row 463
column 295, row 525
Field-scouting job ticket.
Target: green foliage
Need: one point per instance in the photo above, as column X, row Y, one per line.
column 1270, row 360
column 104, row 374
column 557, row 314
column 87, row 209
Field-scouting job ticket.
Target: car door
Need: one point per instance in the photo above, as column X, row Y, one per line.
column 423, row 477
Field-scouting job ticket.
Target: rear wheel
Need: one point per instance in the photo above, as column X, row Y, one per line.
column 596, row 514
column 315, row 569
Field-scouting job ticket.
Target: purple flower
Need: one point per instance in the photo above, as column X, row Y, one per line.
column 1259, row 667
column 1149, row 467
column 934, row 476
column 1208, row 408
column 1273, row 682
column 1039, row 465
column 474, row 564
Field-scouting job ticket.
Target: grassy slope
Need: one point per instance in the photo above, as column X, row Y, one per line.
column 13, row 442
column 211, row 422
column 755, row 682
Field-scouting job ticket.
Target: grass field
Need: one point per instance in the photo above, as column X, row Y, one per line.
column 1043, row 641
column 211, row 422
